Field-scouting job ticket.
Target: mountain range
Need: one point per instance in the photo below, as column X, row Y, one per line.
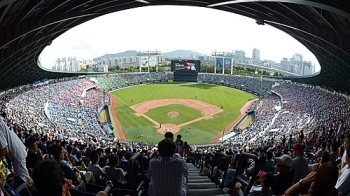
column 128, row 53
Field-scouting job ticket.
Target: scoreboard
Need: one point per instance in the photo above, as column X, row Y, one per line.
column 185, row 65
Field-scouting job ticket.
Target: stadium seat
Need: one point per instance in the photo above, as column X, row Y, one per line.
column 136, row 186
column 94, row 188
column 120, row 192
column 75, row 192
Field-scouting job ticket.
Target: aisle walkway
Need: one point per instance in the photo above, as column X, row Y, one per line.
column 201, row 185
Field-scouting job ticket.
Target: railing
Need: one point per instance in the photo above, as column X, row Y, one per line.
column 246, row 185
column 221, row 169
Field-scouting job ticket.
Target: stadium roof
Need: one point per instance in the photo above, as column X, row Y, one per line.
column 28, row 26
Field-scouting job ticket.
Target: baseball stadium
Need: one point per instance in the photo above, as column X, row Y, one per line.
column 175, row 132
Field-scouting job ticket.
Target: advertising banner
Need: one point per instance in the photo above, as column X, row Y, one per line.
column 152, row 61
column 219, row 62
column 144, row 61
column 228, row 63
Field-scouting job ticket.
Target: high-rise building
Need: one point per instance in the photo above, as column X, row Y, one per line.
column 69, row 64
column 269, row 63
column 129, row 61
column 296, row 64
column 298, row 57
column 239, row 56
column 285, row 65
column 307, row 68
column 256, row 56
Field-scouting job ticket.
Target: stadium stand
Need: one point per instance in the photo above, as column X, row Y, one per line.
column 322, row 26
column 246, row 83
column 66, row 111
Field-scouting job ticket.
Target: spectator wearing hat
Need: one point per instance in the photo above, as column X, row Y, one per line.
column 300, row 164
column 284, row 178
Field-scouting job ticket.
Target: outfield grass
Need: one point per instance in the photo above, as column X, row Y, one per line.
column 186, row 114
column 232, row 100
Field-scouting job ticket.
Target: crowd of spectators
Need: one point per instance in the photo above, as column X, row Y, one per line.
column 125, row 79
column 246, row 83
column 71, row 94
column 56, row 108
column 93, row 99
column 257, row 131
column 289, row 159
column 292, row 150
column 68, row 113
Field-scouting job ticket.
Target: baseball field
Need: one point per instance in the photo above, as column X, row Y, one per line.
column 199, row 112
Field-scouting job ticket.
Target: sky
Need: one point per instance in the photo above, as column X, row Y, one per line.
column 168, row 28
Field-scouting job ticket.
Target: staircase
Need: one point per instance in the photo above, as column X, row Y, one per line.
column 201, row 185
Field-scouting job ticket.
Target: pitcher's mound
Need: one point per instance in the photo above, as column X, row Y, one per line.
column 173, row 114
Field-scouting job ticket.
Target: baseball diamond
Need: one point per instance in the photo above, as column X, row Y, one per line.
column 203, row 111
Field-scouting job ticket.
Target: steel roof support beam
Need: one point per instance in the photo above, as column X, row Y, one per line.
column 324, row 19
column 299, row 2
column 57, row 7
column 296, row 13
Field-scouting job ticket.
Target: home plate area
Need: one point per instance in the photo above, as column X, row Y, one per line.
column 207, row 110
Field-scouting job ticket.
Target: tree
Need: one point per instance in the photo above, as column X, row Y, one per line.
column 275, row 74
column 160, row 69
column 207, row 69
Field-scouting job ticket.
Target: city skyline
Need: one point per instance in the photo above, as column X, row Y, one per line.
column 203, row 54
column 162, row 28
column 295, row 64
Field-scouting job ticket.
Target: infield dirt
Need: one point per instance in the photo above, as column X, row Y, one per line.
column 207, row 110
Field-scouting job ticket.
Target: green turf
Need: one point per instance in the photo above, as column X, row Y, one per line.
column 200, row 132
column 246, row 122
column 186, row 114
column 104, row 116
